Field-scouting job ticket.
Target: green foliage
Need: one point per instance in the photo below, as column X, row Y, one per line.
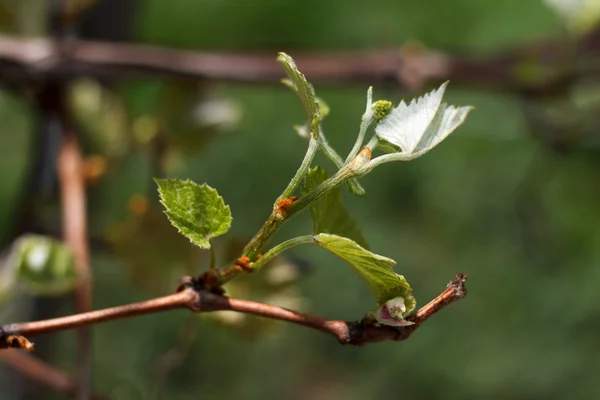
column 44, row 265
column 421, row 125
column 377, row 271
column 329, row 214
column 197, row 211
column 305, row 91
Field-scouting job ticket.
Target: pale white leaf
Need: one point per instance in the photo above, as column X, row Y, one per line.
column 446, row 120
column 405, row 125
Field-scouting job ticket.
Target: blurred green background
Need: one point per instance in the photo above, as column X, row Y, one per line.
column 497, row 201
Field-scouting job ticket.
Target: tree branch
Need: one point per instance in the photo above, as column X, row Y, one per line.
column 39, row 371
column 70, row 172
column 194, row 296
column 554, row 62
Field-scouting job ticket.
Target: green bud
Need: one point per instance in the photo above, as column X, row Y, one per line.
column 381, row 108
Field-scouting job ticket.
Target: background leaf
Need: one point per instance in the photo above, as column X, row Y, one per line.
column 329, row 214
column 377, row 271
column 43, row 264
column 197, row 211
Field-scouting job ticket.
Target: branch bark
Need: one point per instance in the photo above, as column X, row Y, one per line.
column 195, row 297
column 555, row 63
column 73, row 203
column 39, row 371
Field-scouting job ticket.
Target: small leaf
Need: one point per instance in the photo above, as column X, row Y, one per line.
column 305, row 91
column 329, row 214
column 43, row 264
column 197, row 211
column 421, row 125
column 377, row 271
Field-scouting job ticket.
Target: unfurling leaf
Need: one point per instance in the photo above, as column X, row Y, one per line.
column 377, row 271
column 44, row 265
column 305, row 91
column 421, row 125
column 197, row 211
column 329, row 214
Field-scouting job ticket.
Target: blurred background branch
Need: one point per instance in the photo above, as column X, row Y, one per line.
column 39, row 371
column 535, row 67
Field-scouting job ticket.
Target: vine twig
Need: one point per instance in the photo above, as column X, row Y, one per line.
column 195, row 297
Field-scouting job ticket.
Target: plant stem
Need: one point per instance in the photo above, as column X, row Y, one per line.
column 364, row 125
column 373, row 143
column 313, row 146
column 280, row 248
column 277, row 218
column 353, row 185
column 201, row 300
column 340, row 177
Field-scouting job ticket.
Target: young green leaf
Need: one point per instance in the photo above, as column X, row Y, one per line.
column 316, row 110
column 305, row 91
column 329, row 214
column 197, row 211
column 421, row 125
column 377, row 271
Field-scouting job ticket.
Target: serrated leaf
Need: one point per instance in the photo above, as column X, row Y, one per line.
column 421, row 125
column 377, row 271
column 197, row 211
column 329, row 214
column 305, row 91
column 44, row 265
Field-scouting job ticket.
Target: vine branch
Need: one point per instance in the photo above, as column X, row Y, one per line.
column 557, row 62
column 39, row 371
column 73, row 202
column 194, row 296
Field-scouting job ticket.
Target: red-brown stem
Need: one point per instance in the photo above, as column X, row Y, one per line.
column 73, row 202
column 185, row 298
column 214, row 302
column 455, row 290
column 39, row 371
column 355, row 333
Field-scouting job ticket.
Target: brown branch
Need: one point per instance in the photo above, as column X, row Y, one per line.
column 185, row 298
column 73, row 201
column 198, row 299
column 39, row 371
column 557, row 62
